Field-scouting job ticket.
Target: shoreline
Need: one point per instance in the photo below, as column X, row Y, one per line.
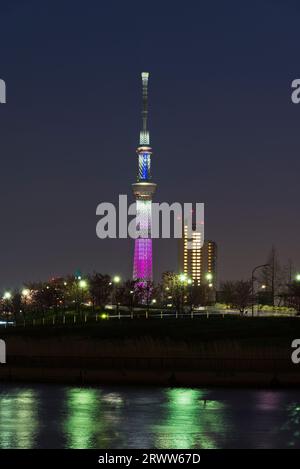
column 168, row 378
column 230, row 352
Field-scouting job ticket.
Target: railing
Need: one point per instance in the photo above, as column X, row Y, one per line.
column 73, row 319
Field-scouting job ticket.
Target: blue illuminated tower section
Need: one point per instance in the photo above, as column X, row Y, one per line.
column 143, row 191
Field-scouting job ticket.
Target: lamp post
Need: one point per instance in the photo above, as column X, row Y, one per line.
column 131, row 303
column 209, row 277
column 252, row 283
column 7, row 297
column 82, row 284
column 182, row 280
column 116, row 281
column 190, row 287
column 25, row 294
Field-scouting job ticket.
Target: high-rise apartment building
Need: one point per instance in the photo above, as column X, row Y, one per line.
column 196, row 262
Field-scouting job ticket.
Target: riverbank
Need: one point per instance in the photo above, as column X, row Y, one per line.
column 177, row 378
column 217, row 351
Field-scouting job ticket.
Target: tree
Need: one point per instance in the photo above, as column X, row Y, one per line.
column 100, row 289
column 236, row 294
column 44, row 297
column 293, row 296
column 144, row 292
column 126, row 293
column 17, row 304
column 227, row 293
column 272, row 276
column 243, row 292
column 198, row 295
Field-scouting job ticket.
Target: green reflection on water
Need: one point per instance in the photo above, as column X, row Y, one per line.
column 92, row 418
column 82, row 407
column 191, row 420
column 292, row 425
column 18, row 419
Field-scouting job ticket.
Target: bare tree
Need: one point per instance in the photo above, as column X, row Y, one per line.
column 293, row 296
column 237, row 294
column 227, row 294
column 273, row 275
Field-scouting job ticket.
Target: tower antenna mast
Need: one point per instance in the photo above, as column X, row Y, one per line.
column 144, row 134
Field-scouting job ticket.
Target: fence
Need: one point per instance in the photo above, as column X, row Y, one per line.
column 74, row 319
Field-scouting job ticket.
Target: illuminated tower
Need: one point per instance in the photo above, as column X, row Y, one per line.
column 143, row 191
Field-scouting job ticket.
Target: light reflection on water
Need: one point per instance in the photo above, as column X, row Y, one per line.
column 49, row 416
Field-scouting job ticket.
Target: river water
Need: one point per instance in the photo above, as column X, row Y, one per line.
column 52, row 416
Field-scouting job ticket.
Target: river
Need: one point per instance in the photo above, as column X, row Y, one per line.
column 51, row 416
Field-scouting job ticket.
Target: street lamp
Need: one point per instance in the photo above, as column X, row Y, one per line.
column 182, row 278
column 116, row 281
column 25, row 294
column 297, row 277
column 190, row 284
column 252, row 283
column 131, row 302
column 7, row 295
column 209, row 276
column 82, row 284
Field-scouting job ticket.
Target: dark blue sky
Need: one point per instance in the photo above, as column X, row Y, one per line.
column 223, row 128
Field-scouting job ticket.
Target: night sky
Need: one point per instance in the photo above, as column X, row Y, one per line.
column 222, row 126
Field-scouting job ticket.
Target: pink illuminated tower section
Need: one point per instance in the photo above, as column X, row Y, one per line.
column 143, row 191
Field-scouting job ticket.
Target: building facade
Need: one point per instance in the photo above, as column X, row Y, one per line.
column 198, row 263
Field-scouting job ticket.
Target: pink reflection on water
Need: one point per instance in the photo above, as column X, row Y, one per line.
column 268, row 400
